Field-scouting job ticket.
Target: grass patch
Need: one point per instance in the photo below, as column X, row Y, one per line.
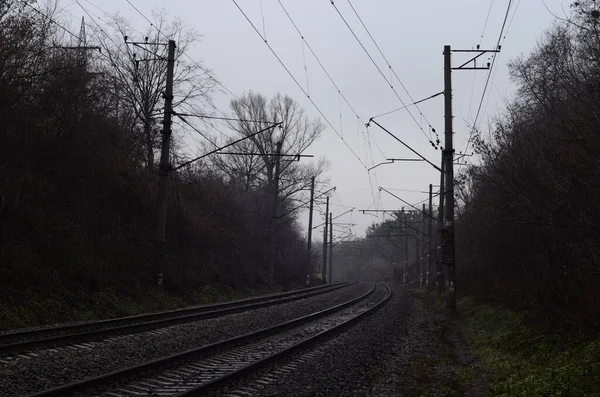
column 526, row 360
column 32, row 309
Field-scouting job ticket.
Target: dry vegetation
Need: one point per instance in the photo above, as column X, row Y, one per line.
column 529, row 226
column 78, row 197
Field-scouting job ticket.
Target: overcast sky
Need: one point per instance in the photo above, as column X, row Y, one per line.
column 411, row 35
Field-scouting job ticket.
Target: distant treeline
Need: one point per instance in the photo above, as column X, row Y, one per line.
column 79, row 133
column 528, row 227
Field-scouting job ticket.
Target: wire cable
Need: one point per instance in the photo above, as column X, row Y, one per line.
column 379, row 69
column 139, row 12
column 298, row 84
column 501, row 38
column 392, row 69
column 340, row 93
column 492, row 65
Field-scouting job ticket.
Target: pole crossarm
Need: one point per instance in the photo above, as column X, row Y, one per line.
column 206, row 116
column 411, row 104
column 388, row 235
column 406, row 202
column 392, row 161
column 295, row 157
column 402, row 142
column 223, row 147
column 306, row 202
column 342, row 214
column 474, row 60
column 394, row 213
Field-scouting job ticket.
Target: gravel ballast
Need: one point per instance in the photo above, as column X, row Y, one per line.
column 397, row 351
column 22, row 376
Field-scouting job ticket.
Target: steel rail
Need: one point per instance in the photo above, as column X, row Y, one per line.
column 90, row 331
column 224, row 380
column 179, row 358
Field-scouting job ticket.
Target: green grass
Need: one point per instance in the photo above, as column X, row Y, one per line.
column 526, row 360
column 30, row 309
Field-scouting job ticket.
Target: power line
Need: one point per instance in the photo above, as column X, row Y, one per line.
column 487, row 18
column 196, row 129
column 297, row 83
column 206, row 71
column 139, row 12
column 51, row 20
column 407, row 146
column 393, row 70
column 222, row 147
column 379, row 69
column 493, row 62
column 491, row 72
column 318, row 60
column 202, row 116
column 491, row 66
column 411, row 104
column 185, row 54
column 341, row 94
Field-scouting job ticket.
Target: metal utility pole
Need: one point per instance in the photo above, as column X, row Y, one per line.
column 447, row 239
column 330, row 246
column 405, row 247
column 310, row 213
column 429, row 250
column 439, row 282
column 161, row 199
column 424, row 271
column 417, row 256
column 274, row 209
column 448, row 254
column 324, row 267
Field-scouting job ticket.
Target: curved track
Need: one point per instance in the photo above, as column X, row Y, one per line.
column 210, row 367
column 19, row 342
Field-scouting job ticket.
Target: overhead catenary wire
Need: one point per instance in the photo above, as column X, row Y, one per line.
column 207, row 72
column 410, row 104
column 339, row 91
column 196, row 129
column 50, row 19
column 298, row 84
column 223, row 147
column 487, row 18
column 139, row 12
column 494, row 57
column 489, row 75
column 203, row 116
column 415, row 103
column 379, row 70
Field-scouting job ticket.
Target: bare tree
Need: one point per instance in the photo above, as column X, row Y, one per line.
column 140, row 73
column 256, row 166
column 266, row 161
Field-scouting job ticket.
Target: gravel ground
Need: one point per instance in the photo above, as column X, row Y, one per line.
column 401, row 350
column 50, row 369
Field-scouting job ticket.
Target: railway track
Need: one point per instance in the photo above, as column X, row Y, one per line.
column 208, row 368
column 18, row 343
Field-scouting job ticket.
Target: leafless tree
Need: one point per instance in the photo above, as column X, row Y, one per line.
column 140, row 73
column 256, row 167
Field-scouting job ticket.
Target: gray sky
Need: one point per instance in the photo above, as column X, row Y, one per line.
column 411, row 34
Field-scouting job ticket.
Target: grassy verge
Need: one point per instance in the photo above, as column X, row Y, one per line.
column 445, row 374
column 525, row 360
column 29, row 309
